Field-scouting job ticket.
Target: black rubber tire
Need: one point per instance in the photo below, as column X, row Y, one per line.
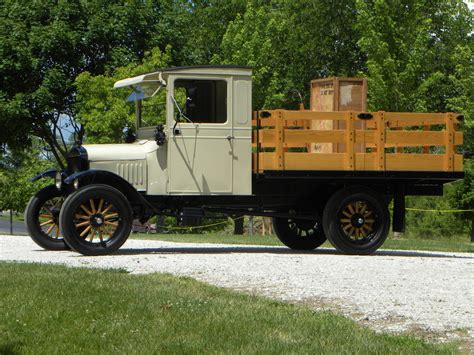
column 32, row 219
column 333, row 213
column 289, row 235
column 72, row 205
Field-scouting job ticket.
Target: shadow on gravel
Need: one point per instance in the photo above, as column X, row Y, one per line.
column 278, row 250
column 428, row 254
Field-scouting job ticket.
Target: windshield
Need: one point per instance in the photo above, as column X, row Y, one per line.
column 150, row 104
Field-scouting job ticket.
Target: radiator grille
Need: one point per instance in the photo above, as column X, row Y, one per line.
column 133, row 172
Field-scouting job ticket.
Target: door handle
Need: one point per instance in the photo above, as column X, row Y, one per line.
column 229, row 138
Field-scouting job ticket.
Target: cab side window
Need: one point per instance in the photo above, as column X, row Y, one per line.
column 202, row 101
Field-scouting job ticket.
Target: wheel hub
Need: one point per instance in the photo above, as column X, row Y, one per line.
column 357, row 220
column 97, row 220
column 305, row 224
column 49, row 217
column 55, row 213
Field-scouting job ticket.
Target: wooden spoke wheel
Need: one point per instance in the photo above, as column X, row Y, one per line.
column 96, row 220
column 42, row 218
column 356, row 220
column 299, row 234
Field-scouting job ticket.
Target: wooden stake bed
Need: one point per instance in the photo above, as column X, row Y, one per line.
column 391, row 141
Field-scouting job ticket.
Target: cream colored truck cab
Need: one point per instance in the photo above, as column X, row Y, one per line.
column 207, row 151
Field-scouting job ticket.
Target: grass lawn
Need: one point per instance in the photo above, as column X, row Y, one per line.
column 455, row 245
column 53, row 309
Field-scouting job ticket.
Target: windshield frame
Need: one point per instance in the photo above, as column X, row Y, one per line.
column 140, row 96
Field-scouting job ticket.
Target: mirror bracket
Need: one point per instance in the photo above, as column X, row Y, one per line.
column 160, row 135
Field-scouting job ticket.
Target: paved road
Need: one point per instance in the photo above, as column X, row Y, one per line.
column 18, row 227
column 430, row 292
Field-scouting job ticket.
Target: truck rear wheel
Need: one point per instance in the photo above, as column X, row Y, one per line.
column 356, row 221
column 96, row 220
column 42, row 218
column 299, row 234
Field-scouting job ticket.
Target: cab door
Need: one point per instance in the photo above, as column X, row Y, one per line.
column 200, row 136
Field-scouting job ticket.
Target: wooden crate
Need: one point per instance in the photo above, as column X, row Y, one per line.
column 336, row 94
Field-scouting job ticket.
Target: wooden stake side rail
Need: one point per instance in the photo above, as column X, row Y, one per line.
column 390, row 141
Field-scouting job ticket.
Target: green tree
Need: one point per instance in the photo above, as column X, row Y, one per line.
column 45, row 44
column 290, row 43
column 419, row 58
column 16, row 171
column 462, row 196
column 251, row 39
column 320, row 41
column 418, row 53
column 101, row 109
column 206, row 24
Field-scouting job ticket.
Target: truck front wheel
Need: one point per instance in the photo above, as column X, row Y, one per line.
column 299, row 234
column 96, row 220
column 356, row 220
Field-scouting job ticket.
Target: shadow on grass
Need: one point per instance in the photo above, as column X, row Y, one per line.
column 10, row 348
column 279, row 250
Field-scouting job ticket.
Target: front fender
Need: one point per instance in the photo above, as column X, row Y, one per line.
column 93, row 176
column 51, row 173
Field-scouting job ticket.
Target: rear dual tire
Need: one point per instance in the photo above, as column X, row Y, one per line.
column 299, row 234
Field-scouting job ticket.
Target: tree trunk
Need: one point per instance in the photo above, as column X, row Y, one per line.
column 251, row 225
column 472, row 227
column 58, row 153
column 11, row 221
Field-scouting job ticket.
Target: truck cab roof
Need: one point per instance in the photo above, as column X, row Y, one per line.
column 161, row 74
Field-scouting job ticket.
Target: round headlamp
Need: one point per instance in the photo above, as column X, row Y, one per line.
column 58, row 180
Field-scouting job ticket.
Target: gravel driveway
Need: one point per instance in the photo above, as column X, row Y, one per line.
column 428, row 292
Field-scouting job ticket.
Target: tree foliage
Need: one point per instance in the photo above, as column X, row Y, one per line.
column 251, row 39
column 46, row 44
column 103, row 110
column 206, row 23
column 290, row 43
column 16, row 171
column 417, row 52
column 419, row 58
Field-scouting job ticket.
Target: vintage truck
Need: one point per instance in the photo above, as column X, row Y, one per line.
column 200, row 150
